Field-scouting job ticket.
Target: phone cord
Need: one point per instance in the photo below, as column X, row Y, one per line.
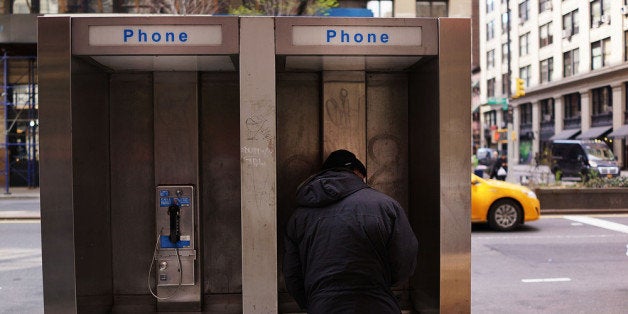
column 150, row 269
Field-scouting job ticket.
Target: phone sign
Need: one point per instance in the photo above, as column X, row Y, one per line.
column 165, row 201
column 184, row 201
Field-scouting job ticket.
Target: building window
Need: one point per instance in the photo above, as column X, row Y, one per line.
column 545, row 5
column 505, row 53
column 524, row 74
column 490, row 6
column 431, row 8
column 525, row 113
column 524, row 11
column 545, row 35
column 626, row 45
column 570, row 24
column 547, row 110
column 602, row 100
column 571, row 62
column 490, row 118
column 490, row 88
column 547, row 70
column 380, row 8
column 490, row 30
column 505, row 22
column 572, row 105
column 505, row 84
column 600, row 10
column 600, row 53
column 490, row 59
column 524, row 44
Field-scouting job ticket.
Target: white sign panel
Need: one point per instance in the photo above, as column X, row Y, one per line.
column 155, row 35
column 356, row 36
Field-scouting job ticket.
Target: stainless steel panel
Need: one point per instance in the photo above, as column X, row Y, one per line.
column 455, row 216
column 81, row 46
column 285, row 45
column 176, row 158
column 56, row 173
column 424, row 186
column 258, row 164
column 90, row 159
column 387, row 134
column 298, row 144
column 344, row 112
column 132, row 181
column 220, row 184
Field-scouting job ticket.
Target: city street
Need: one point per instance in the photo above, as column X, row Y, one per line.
column 21, row 288
column 559, row 264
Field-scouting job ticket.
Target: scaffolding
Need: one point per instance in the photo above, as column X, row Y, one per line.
column 21, row 127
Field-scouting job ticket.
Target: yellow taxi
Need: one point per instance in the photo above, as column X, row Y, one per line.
column 505, row 206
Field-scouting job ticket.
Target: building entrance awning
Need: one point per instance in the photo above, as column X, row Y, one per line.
column 565, row 135
column 594, row 133
column 622, row 131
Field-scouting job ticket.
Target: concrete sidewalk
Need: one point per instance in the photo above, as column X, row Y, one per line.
column 20, row 192
column 20, row 203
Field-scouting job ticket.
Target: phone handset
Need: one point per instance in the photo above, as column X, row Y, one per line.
column 175, row 221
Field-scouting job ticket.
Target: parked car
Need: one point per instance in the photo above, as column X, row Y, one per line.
column 486, row 156
column 583, row 159
column 504, row 206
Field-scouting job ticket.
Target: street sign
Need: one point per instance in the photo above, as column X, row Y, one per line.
column 498, row 101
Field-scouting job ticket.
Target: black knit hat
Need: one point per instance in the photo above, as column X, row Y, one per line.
column 344, row 159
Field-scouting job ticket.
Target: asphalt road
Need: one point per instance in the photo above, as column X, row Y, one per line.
column 559, row 264
column 21, row 288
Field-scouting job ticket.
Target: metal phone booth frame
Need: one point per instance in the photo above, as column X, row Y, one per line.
column 241, row 119
column 132, row 103
column 397, row 93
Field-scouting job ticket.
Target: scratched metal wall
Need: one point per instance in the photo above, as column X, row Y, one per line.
column 384, row 140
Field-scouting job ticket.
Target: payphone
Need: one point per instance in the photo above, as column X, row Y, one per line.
column 175, row 251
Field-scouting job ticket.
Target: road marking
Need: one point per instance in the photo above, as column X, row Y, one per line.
column 599, row 223
column 545, row 280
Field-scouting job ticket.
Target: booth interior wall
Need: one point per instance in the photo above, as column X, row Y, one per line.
column 90, row 158
column 424, row 185
column 387, row 143
column 220, row 189
column 132, row 187
column 310, row 122
column 298, row 152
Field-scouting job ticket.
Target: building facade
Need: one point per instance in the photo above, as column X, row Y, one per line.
column 572, row 57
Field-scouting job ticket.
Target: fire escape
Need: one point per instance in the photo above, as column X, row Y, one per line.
column 21, row 123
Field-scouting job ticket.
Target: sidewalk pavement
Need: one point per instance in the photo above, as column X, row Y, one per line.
column 20, row 192
column 12, row 209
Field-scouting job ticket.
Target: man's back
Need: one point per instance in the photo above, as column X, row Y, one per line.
column 346, row 246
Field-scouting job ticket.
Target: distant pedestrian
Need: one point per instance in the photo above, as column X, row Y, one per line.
column 347, row 244
column 499, row 170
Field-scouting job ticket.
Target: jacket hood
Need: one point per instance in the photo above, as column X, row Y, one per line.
column 328, row 187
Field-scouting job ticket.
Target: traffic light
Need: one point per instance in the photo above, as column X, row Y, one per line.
column 520, row 88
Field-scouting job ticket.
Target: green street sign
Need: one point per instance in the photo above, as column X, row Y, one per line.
column 498, row 101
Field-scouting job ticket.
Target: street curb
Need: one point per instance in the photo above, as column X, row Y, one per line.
column 586, row 211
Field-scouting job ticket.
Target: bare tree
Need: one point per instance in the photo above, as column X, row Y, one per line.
column 284, row 7
column 236, row 7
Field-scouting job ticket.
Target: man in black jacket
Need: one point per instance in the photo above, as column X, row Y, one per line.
column 347, row 244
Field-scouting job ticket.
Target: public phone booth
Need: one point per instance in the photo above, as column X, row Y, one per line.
column 171, row 147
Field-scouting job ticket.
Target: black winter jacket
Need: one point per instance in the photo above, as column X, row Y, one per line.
column 346, row 246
